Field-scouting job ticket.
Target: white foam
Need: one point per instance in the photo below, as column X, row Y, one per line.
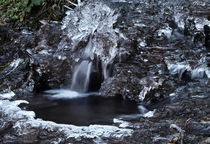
column 66, row 94
column 63, row 93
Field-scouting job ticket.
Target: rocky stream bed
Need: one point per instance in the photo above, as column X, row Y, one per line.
column 154, row 53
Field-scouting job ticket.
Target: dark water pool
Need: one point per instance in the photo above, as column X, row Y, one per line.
column 92, row 109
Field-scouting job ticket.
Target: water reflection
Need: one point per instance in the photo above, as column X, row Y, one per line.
column 83, row 110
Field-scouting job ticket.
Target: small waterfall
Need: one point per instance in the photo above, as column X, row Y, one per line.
column 93, row 41
column 81, row 76
column 82, row 71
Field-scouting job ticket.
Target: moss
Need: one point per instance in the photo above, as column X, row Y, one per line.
column 15, row 10
column 29, row 12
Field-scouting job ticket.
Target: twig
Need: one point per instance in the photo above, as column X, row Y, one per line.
column 72, row 3
column 28, row 78
column 180, row 130
column 68, row 7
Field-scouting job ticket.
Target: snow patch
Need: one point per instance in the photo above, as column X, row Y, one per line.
column 200, row 71
column 8, row 95
column 13, row 65
column 122, row 124
column 144, row 92
column 149, row 84
column 179, row 19
column 25, row 122
column 149, row 114
column 178, row 68
column 200, row 22
column 44, row 52
column 16, row 63
column 165, row 31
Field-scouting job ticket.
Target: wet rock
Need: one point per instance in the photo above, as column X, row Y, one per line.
column 165, row 38
column 51, row 66
column 207, row 37
column 193, row 122
column 50, row 72
column 14, row 59
column 30, row 60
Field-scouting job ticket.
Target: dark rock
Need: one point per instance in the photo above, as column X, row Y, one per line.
column 37, row 59
column 207, row 37
column 14, row 67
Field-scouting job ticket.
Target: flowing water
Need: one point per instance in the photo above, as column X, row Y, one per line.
column 76, row 105
column 81, row 76
column 143, row 55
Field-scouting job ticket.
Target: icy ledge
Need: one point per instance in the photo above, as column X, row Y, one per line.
column 25, row 125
